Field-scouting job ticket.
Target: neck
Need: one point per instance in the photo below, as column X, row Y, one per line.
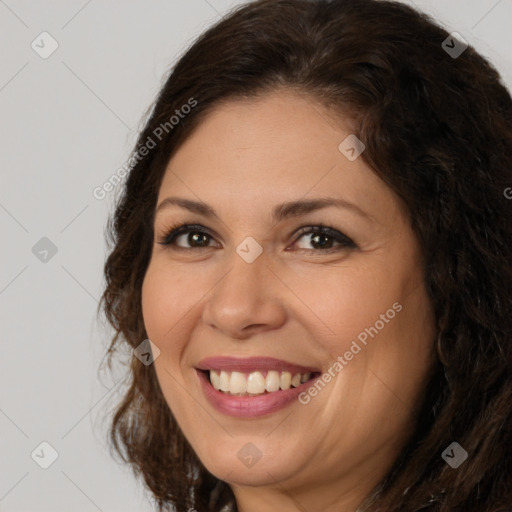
column 334, row 496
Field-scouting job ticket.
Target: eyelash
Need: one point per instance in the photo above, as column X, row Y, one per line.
column 179, row 229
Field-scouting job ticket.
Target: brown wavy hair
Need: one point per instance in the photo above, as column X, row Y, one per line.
column 438, row 131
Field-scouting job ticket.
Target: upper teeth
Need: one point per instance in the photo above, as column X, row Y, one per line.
column 255, row 383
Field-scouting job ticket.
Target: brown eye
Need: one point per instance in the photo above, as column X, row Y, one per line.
column 196, row 237
column 323, row 238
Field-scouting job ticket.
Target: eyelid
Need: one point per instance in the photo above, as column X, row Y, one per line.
column 321, row 228
column 180, row 229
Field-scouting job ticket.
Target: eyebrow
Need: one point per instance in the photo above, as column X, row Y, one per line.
column 280, row 212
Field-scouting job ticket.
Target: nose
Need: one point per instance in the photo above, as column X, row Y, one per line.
column 247, row 299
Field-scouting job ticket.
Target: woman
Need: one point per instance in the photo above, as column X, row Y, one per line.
column 316, row 240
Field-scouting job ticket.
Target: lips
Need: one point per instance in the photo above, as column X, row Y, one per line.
column 250, row 405
column 253, row 364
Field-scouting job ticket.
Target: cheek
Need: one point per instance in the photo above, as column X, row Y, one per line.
column 387, row 352
column 165, row 301
column 347, row 303
column 381, row 325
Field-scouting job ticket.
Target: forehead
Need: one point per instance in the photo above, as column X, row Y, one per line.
column 271, row 149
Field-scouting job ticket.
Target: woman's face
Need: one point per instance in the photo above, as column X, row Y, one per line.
column 258, row 280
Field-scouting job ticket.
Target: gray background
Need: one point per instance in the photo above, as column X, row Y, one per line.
column 68, row 122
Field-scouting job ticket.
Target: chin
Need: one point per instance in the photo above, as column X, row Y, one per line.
column 262, row 471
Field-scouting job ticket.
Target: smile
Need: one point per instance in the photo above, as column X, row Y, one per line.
column 254, row 386
column 255, row 383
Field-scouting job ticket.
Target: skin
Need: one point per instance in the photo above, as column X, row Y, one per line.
column 297, row 301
